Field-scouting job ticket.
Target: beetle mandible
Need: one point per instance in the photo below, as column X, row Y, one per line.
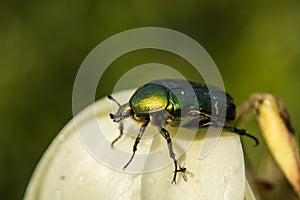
column 169, row 102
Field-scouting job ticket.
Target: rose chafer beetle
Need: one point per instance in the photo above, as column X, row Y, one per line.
column 175, row 102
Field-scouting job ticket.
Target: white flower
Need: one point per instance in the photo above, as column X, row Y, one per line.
column 68, row 171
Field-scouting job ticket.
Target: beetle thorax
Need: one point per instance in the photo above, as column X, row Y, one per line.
column 149, row 99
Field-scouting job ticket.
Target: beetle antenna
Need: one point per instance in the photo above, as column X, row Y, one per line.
column 114, row 100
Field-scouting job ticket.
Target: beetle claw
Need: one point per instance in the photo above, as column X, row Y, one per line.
column 111, row 116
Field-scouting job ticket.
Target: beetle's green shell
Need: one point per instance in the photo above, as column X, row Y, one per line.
column 189, row 103
column 183, row 94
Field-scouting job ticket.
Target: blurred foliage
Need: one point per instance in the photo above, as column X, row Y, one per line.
column 255, row 44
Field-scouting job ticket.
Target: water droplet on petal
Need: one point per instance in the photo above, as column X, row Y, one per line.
column 81, row 178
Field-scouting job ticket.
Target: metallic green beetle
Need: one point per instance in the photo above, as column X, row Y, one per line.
column 177, row 102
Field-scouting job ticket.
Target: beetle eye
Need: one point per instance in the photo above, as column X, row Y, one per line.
column 111, row 116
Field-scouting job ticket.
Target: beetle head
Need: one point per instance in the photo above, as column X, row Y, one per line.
column 123, row 112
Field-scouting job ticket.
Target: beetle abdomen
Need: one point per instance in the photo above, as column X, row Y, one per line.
column 189, row 98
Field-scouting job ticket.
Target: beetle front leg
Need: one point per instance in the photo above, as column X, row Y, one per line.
column 121, row 127
column 166, row 135
column 137, row 141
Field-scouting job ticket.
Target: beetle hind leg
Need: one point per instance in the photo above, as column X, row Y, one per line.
column 166, row 135
column 241, row 132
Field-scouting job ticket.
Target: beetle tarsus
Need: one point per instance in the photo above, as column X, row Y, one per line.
column 125, row 166
column 175, row 172
column 241, row 132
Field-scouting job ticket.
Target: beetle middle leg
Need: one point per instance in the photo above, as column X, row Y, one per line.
column 166, row 135
column 137, row 141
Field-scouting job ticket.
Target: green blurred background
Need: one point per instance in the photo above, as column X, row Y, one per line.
column 255, row 44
